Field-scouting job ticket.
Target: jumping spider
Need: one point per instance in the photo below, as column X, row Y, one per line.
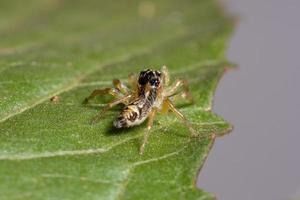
column 150, row 93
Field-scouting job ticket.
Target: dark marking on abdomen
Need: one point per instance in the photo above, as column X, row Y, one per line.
column 120, row 122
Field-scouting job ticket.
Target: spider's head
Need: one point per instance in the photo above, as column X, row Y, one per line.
column 150, row 77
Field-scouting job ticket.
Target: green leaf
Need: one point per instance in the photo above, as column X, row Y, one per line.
column 49, row 150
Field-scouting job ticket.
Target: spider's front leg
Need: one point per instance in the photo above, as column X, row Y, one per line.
column 165, row 75
column 132, row 81
column 122, row 88
column 99, row 92
column 119, row 90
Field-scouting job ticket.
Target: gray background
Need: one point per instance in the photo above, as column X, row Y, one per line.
column 260, row 158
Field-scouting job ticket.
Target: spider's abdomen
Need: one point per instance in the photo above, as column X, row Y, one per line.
column 137, row 111
column 130, row 116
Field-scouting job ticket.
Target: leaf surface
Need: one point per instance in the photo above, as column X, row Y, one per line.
column 50, row 150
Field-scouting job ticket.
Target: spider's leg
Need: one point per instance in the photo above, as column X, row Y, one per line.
column 113, row 103
column 147, row 131
column 120, row 86
column 132, row 82
column 112, row 91
column 178, row 114
column 165, row 75
column 175, row 89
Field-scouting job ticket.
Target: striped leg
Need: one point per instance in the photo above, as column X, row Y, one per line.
column 147, row 133
column 181, row 117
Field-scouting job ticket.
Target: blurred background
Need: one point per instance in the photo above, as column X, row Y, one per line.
column 260, row 158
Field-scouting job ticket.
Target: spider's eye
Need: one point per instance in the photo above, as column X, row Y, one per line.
column 142, row 81
column 152, row 81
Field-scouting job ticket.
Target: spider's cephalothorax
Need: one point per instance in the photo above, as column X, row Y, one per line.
column 150, row 93
column 150, row 77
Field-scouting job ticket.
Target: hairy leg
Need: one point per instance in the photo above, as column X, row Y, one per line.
column 112, row 91
column 181, row 117
column 120, row 86
column 175, row 89
column 147, row 133
column 132, row 81
column 166, row 76
column 113, row 103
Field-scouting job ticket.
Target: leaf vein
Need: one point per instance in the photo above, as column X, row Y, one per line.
column 122, row 188
column 80, row 178
column 73, row 84
column 65, row 152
